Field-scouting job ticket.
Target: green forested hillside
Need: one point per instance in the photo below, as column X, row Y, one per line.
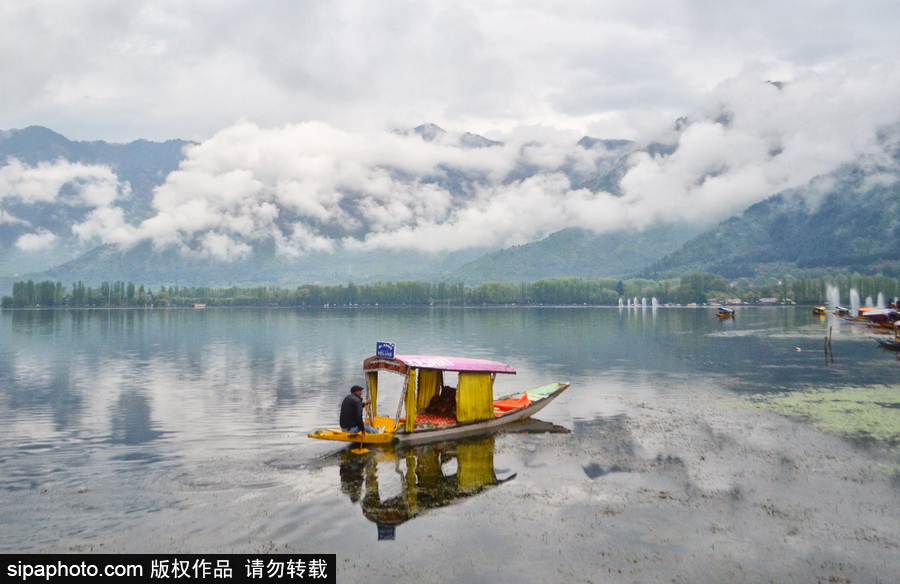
column 854, row 225
column 576, row 252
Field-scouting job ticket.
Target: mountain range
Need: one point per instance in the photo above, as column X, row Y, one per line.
column 143, row 164
column 847, row 220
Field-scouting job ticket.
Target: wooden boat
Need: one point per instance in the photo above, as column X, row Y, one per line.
column 878, row 318
column 889, row 344
column 429, row 410
column 819, row 310
column 841, row 311
column 875, row 313
column 725, row 313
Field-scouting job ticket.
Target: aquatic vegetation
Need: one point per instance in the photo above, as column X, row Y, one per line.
column 867, row 412
column 887, row 469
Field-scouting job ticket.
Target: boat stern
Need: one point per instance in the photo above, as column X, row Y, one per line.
column 338, row 435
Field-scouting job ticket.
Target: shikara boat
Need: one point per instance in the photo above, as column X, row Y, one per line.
column 724, row 313
column 841, row 311
column 819, row 310
column 879, row 318
column 889, row 344
column 429, row 410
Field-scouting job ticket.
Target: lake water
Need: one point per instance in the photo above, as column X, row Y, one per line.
column 166, row 431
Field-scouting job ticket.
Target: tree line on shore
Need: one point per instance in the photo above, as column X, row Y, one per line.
column 696, row 288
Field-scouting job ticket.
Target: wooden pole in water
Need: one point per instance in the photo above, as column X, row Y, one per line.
column 830, row 347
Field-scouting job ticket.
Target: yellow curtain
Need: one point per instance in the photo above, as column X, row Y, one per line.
column 430, row 382
column 474, row 397
column 372, row 382
column 411, row 401
column 475, row 464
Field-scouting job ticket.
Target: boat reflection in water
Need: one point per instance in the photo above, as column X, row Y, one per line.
column 396, row 484
column 416, row 479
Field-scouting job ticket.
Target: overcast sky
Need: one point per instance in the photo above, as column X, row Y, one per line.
column 119, row 70
column 294, row 102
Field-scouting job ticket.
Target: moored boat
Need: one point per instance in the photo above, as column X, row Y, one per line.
column 879, row 318
column 889, row 344
column 429, row 410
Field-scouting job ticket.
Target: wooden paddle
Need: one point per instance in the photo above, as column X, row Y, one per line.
column 360, row 450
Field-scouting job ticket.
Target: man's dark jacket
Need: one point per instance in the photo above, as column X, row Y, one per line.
column 352, row 413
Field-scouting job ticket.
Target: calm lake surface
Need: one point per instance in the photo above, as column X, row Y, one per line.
column 185, row 430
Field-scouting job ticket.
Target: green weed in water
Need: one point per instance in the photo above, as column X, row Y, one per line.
column 868, row 412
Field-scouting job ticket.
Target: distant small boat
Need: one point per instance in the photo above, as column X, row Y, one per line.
column 725, row 313
column 841, row 311
column 199, row 306
column 819, row 310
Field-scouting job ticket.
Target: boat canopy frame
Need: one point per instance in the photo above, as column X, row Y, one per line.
column 403, row 363
column 474, row 395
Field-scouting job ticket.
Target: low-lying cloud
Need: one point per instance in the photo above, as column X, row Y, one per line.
column 311, row 187
column 90, row 185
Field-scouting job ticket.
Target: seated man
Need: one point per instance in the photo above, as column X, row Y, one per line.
column 352, row 413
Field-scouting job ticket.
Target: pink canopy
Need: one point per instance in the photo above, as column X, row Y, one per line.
column 401, row 363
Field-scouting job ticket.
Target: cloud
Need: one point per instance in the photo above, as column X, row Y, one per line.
column 754, row 139
column 313, row 187
column 498, row 215
column 9, row 219
column 222, row 247
column 70, row 184
column 750, row 140
column 159, row 69
column 36, row 241
column 297, row 184
column 92, row 185
column 109, row 226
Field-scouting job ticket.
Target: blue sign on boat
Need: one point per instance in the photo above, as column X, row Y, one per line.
column 385, row 350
